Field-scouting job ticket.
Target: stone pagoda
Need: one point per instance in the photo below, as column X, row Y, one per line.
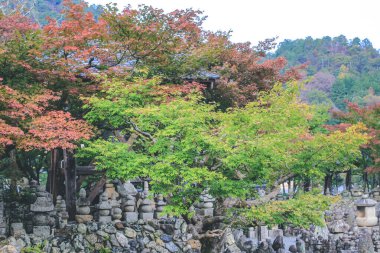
column 104, row 208
column 129, row 209
column 147, row 206
column 206, row 205
column 42, row 208
column 83, row 208
column 160, row 204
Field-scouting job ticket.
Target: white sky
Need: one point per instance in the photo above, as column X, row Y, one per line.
column 255, row 20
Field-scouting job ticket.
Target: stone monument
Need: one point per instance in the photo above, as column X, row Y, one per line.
column 146, row 209
column 116, row 211
column 160, row 207
column 366, row 212
column 206, row 205
column 110, row 189
column 129, row 208
column 42, row 207
column 357, row 192
column 62, row 213
column 104, row 208
column 83, row 208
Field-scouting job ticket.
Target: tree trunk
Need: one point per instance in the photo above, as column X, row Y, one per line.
column 70, row 182
column 307, row 185
column 349, row 180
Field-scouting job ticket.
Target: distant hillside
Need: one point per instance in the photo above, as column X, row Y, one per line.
column 38, row 10
column 340, row 69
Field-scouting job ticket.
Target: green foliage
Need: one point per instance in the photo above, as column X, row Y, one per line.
column 185, row 145
column 38, row 248
column 355, row 62
column 317, row 97
column 302, row 211
column 105, row 250
column 355, row 88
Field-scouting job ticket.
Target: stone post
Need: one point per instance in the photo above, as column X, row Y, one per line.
column 263, row 233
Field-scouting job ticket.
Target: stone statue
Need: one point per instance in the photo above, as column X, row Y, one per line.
column 104, row 208
column 160, row 207
column 300, row 244
column 293, row 249
column 278, row 243
column 83, row 208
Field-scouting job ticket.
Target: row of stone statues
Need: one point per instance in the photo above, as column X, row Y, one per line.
column 120, row 204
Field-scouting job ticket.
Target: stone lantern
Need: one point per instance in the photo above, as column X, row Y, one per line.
column 366, row 212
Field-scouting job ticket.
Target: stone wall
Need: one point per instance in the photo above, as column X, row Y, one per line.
column 163, row 236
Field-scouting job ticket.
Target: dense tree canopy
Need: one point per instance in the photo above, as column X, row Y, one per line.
column 131, row 80
column 340, row 69
column 178, row 141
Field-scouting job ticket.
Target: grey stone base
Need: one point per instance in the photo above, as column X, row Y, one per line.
column 17, row 230
column 131, row 217
column 146, row 216
column 105, row 219
column 41, row 231
column 206, row 212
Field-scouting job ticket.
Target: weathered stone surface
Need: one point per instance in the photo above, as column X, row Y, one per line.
column 8, row 249
column 43, row 202
column 195, row 244
column 131, row 217
column 365, row 244
column 110, row 229
column 114, row 241
column 92, row 227
column 83, row 218
column 146, row 216
column 149, row 228
column 17, row 230
column 105, row 219
column 171, row 247
column 41, row 231
column 91, row 238
column 55, row 250
column 102, row 234
column 130, row 233
column 82, row 228
column 166, row 238
column 123, row 241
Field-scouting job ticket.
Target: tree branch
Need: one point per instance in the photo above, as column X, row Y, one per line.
column 145, row 134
